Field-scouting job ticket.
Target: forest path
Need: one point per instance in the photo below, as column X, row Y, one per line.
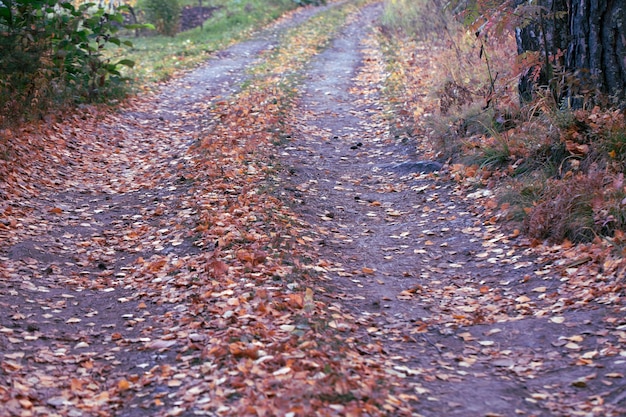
column 155, row 268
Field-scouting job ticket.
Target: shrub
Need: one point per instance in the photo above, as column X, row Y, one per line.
column 52, row 53
column 566, row 210
column 164, row 15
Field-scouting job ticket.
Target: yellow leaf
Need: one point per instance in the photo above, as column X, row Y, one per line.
column 466, row 336
column 575, row 338
column 590, row 355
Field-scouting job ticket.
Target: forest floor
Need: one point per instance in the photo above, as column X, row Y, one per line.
column 230, row 246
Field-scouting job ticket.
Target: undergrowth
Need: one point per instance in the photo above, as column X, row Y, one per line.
column 56, row 56
column 556, row 170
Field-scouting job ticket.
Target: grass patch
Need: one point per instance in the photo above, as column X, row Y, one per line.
column 411, row 18
column 159, row 57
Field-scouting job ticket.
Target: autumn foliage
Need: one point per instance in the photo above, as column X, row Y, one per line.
column 240, row 319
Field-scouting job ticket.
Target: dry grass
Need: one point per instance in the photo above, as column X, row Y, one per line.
column 559, row 170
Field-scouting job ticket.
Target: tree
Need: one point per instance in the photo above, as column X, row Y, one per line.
column 579, row 46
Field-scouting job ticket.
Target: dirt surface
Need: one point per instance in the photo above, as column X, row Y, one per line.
column 443, row 290
column 465, row 314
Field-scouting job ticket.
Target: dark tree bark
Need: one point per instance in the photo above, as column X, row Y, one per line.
column 585, row 39
column 599, row 43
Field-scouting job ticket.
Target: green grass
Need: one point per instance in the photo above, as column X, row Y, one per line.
column 157, row 58
column 414, row 18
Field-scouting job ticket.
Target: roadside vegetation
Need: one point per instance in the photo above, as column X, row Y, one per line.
column 56, row 55
column 52, row 55
column 555, row 168
column 160, row 55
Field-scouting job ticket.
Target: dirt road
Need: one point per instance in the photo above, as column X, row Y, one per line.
column 132, row 285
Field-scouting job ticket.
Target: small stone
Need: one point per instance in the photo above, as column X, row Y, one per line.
column 409, row 167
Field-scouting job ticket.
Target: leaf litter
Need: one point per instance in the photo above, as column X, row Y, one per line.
column 252, row 255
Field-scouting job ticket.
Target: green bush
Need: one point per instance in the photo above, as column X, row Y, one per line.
column 164, row 15
column 52, row 54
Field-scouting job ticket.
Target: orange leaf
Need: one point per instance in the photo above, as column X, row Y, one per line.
column 245, row 256
column 76, row 385
column 296, row 300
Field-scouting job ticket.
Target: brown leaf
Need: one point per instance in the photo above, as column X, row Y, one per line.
column 218, row 268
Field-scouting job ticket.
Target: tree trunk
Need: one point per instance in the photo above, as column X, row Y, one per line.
column 598, row 43
column 586, row 40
